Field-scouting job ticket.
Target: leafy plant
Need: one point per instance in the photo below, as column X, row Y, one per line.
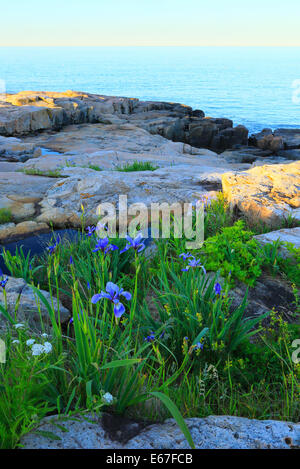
column 234, row 252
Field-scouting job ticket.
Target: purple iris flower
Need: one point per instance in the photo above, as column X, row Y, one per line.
column 51, row 249
column 90, row 230
column 71, row 260
column 193, row 263
column 113, row 293
column 198, row 346
column 135, row 243
column 88, row 285
column 3, row 281
column 150, row 338
column 218, row 289
column 185, row 256
column 104, row 246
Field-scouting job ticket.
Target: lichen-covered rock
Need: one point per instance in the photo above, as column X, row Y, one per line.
column 269, row 193
column 214, row 432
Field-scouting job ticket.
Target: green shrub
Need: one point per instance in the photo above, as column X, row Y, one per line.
column 234, row 252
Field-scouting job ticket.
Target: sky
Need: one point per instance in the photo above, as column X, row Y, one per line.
column 149, row 23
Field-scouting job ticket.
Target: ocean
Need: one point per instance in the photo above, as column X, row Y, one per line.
column 258, row 87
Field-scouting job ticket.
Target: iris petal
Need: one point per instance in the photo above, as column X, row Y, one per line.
column 126, row 295
column 119, row 309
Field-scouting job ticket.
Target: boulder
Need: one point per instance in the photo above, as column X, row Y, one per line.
column 267, row 193
column 213, row 432
column 266, row 140
column 290, row 137
column 17, row 290
column 277, row 141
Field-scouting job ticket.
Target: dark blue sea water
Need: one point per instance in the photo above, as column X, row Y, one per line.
column 252, row 86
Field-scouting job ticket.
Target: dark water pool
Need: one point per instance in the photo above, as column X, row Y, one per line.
column 37, row 244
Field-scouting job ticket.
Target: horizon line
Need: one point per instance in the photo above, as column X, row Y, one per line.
column 169, row 45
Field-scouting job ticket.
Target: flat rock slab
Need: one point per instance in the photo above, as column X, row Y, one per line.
column 287, row 235
column 214, row 432
column 269, row 193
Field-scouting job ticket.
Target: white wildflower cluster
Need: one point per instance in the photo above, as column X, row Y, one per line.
column 39, row 349
column 36, row 349
column 107, row 398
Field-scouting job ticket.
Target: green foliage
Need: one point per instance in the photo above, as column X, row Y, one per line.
column 180, row 349
column 25, row 393
column 19, row 265
column 94, row 167
column 234, row 252
column 271, row 256
column 218, row 215
column 5, row 216
column 137, row 166
column 290, row 266
column 192, row 312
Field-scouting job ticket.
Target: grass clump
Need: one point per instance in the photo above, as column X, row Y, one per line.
column 137, row 166
column 5, row 216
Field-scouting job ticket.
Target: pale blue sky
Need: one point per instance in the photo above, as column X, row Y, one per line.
column 149, row 22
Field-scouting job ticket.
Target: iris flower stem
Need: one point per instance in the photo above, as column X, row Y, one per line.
column 133, row 308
